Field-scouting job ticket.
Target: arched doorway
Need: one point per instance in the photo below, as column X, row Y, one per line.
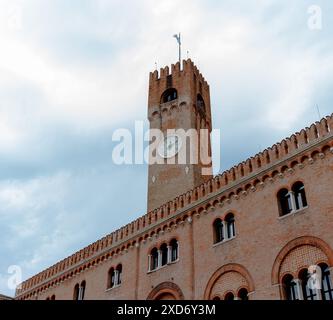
column 166, row 291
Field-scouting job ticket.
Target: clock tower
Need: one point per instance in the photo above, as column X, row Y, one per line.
column 179, row 107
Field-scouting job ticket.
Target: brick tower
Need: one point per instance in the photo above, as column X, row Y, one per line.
column 178, row 100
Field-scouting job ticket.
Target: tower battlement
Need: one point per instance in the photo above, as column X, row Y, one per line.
column 188, row 67
column 183, row 79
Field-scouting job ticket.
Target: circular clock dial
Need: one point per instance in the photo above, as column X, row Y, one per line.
column 170, row 146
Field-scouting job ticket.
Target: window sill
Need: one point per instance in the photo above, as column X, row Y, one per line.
column 292, row 213
column 159, row 268
column 222, row 242
column 114, row 287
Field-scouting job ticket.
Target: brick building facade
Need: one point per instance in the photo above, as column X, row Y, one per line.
column 248, row 233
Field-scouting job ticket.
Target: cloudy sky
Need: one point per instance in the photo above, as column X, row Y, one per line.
column 72, row 72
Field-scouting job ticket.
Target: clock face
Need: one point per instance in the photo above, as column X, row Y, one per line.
column 170, row 146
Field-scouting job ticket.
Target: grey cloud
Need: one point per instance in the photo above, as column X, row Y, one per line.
column 59, row 189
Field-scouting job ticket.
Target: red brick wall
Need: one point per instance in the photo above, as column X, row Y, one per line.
column 260, row 236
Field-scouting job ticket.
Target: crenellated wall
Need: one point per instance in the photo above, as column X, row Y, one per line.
column 188, row 81
column 297, row 150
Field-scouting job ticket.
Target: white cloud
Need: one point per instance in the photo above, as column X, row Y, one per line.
column 25, row 201
column 84, row 67
column 223, row 42
column 36, row 225
column 9, row 136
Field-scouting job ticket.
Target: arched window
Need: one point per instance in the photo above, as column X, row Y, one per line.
column 48, row 298
column 230, row 225
column 218, row 231
column 79, row 291
column 76, row 292
column 284, row 202
column 174, row 250
column 114, row 276
column 243, row 294
column 327, row 287
column 164, row 252
column 229, row 296
column 299, row 194
column 111, row 275
column 154, row 259
column 53, row 297
column 169, row 95
column 82, row 290
column 119, row 271
column 201, row 105
column 290, row 288
column 216, row 298
column 308, row 293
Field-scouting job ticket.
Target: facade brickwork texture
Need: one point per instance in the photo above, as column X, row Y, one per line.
column 231, row 281
column 265, row 247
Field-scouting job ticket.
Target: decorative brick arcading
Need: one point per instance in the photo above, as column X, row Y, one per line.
column 299, row 253
column 228, row 277
column 230, row 281
column 301, row 257
column 131, row 234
